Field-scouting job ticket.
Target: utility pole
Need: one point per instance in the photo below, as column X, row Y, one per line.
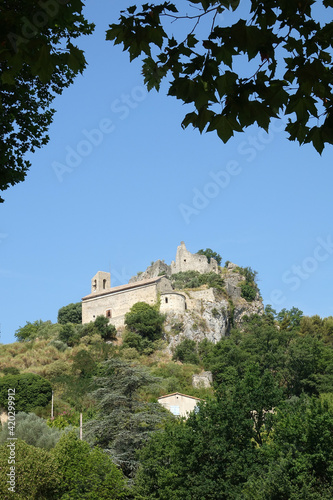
column 52, row 406
column 81, row 426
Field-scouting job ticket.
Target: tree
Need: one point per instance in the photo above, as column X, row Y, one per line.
column 296, row 463
column 70, row 314
column 36, row 473
column 28, row 331
column 282, row 52
column 124, row 421
column 145, row 320
column 31, row 391
column 208, row 456
column 107, row 330
column 186, row 352
column 211, row 255
column 85, row 472
column 69, row 334
column 38, row 61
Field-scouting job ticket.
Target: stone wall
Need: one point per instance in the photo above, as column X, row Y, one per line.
column 101, row 281
column 119, row 300
column 186, row 261
column 173, row 302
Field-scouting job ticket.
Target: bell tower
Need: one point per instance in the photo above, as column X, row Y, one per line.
column 101, row 282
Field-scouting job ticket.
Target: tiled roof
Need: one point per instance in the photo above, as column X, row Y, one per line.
column 123, row 288
column 179, row 394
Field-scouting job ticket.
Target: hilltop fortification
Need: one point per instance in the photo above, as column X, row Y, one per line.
column 206, row 310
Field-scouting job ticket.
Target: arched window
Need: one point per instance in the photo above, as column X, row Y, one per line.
column 95, row 285
column 166, row 300
column 108, row 313
column 104, row 284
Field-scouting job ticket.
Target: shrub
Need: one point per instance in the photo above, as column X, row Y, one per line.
column 36, row 473
column 194, row 279
column 11, row 370
column 33, row 430
column 59, row 345
column 249, row 292
column 135, row 341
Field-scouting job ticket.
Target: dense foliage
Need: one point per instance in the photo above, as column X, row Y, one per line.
column 249, row 289
column 124, row 421
column 70, row 471
column 31, row 391
column 145, row 320
column 194, row 279
column 263, row 432
column 266, row 60
column 38, row 61
column 186, row 352
column 72, row 313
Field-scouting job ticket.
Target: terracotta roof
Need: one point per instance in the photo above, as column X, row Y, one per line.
column 179, row 394
column 123, row 287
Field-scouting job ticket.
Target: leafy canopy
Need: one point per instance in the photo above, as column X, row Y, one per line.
column 211, row 255
column 72, row 313
column 31, row 391
column 38, row 60
column 274, row 60
column 145, row 320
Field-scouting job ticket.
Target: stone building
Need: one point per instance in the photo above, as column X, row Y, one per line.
column 203, row 312
column 115, row 302
column 147, row 287
column 187, row 261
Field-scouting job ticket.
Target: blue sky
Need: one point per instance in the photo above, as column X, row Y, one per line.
column 120, row 184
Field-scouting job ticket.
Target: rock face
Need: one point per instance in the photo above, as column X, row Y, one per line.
column 156, row 269
column 201, row 313
column 210, row 315
column 202, row 380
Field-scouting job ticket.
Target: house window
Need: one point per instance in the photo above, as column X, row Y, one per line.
column 104, row 284
column 175, row 410
column 108, row 313
column 166, row 300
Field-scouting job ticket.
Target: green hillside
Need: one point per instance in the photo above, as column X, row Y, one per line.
column 263, row 431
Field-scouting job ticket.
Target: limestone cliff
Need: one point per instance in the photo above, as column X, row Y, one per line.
column 210, row 314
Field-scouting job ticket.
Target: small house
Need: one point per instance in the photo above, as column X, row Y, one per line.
column 179, row 404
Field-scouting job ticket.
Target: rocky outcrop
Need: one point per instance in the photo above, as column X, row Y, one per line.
column 203, row 379
column 156, row 269
column 206, row 313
